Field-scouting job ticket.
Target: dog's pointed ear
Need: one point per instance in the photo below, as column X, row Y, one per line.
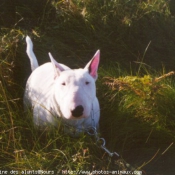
column 58, row 68
column 92, row 66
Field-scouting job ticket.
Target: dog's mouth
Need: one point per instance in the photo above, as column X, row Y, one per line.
column 78, row 118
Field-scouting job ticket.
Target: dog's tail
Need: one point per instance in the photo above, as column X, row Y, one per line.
column 30, row 53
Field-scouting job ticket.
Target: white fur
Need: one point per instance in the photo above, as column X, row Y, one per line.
column 31, row 55
column 53, row 90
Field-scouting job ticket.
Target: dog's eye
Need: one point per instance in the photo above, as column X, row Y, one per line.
column 87, row 82
column 64, row 84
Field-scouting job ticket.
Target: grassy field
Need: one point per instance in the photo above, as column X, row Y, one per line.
column 136, row 85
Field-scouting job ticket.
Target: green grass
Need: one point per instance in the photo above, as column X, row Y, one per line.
column 136, row 93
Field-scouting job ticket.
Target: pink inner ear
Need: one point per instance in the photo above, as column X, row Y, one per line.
column 94, row 65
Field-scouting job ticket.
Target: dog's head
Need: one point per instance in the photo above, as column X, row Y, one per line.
column 75, row 89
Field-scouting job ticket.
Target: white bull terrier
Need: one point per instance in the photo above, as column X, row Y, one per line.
column 55, row 91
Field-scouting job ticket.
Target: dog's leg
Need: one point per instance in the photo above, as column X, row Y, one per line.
column 30, row 53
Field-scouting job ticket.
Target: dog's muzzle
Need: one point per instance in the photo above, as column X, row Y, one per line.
column 78, row 111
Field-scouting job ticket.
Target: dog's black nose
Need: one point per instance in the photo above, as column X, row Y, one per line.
column 78, row 111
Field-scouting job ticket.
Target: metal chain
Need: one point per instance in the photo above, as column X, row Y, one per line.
column 92, row 131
